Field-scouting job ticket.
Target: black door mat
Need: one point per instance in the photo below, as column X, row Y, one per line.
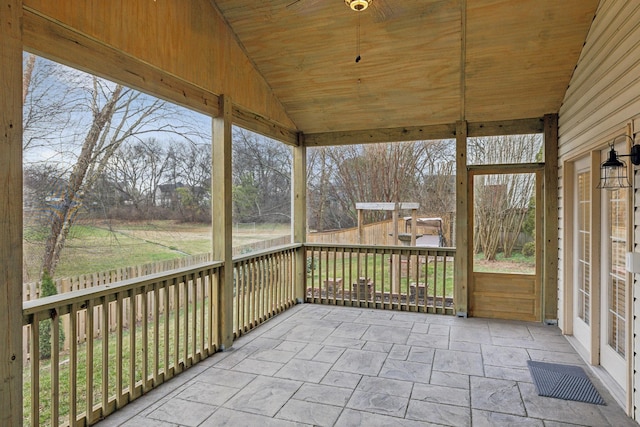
column 563, row 382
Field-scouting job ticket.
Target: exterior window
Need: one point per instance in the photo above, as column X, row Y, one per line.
column 617, row 282
column 584, row 244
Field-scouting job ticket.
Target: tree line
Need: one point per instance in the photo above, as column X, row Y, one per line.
column 97, row 149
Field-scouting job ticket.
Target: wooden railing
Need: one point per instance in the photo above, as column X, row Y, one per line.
column 128, row 337
column 263, row 286
column 176, row 328
column 131, row 336
column 384, row 277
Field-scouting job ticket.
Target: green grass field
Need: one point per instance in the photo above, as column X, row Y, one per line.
column 104, row 246
column 378, row 269
column 64, row 377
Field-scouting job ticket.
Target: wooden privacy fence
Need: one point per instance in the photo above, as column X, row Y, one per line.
column 378, row 233
column 67, row 284
column 84, row 281
column 385, row 277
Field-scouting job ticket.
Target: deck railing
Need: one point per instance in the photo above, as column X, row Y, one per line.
column 263, row 286
column 384, row 277
column 176, row 328
column 166, row 322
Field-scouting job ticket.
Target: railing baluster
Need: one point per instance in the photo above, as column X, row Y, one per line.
column 176, row 326
column 105, row 355
column 262, row 287
column 165, row 325
column 185, row 299
column 211, row 280
column 35, row 370
column 374, row 278
column 248, row 288
column 194, row 316
column 89, row 359
column 132, row 344
column 144, row 348
column 156, row 333
column 202, row 300
column 55, row 370
column 119, row 350
column 73, row 364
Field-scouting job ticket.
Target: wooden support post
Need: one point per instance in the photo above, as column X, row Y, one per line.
column 463, row 252
column 550, row 264
column 11, row 213
column 395, row 217
column 395, row 270
column 299, row 208
column 414, row 221
column 221, row 218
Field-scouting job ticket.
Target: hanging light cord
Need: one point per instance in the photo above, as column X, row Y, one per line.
column 358, row 40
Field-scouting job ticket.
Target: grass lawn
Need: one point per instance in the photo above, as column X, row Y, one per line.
column 378, row 268
column 103, row 246
column 81, row 372
column 517, row 263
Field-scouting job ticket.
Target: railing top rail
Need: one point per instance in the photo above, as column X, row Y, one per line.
column 264, row 252
column 82, row 295
column 381, row 247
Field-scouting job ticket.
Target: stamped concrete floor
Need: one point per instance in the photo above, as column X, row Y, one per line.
column 338, row 366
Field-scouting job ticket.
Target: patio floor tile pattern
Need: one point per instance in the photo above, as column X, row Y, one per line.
column 339, row 366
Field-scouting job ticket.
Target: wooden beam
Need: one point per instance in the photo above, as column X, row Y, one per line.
column 256, row 123
column 550, row 273
column 414, row 133
column 299, row 209
column 221, row 203
column 461, row 276
column 423, row 133
column 64, row 45
column 506, row 127
column 67, row 46
column 11, row 213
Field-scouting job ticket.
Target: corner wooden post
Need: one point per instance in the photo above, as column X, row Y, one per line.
column 221, row 203
column 299, row 208
column 550, row 264
column 11, row 213
column 461, row 276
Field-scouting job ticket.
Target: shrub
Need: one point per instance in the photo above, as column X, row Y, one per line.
column 529, row 249
column 48, row 288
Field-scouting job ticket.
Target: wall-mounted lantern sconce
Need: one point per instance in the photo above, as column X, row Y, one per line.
column 613, row 172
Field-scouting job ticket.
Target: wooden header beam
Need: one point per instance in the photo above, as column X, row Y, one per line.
column 422, row 133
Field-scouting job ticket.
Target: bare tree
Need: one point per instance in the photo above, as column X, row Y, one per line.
column 84, row 120
column 190, row 176
column 261, row 178
column 501, row 201
column 137, row 169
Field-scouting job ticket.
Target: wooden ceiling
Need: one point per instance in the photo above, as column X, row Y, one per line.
column 424, row 62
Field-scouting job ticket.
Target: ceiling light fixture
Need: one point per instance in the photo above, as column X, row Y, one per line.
column 358, row 5
column 613, row 172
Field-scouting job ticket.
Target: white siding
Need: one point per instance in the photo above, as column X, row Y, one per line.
column 602, row 100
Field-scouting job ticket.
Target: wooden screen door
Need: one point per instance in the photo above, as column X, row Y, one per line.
column 505, row 245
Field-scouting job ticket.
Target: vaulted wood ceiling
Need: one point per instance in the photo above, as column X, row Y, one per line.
column 424, row 62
